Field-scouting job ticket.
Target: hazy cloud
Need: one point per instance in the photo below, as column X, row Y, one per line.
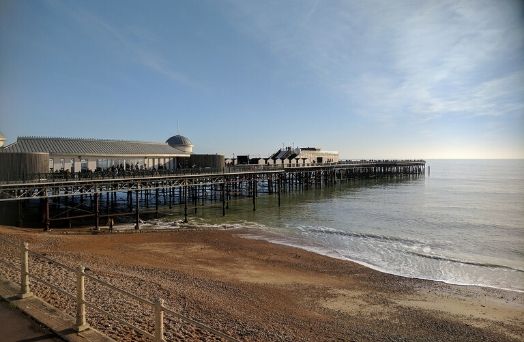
column 420, row 60
column 134, row 43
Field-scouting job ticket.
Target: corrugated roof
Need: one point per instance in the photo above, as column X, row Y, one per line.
column 83, row 146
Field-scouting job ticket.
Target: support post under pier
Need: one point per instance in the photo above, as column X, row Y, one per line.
column 137, row 210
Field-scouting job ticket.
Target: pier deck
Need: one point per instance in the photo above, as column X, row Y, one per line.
column 77, row 198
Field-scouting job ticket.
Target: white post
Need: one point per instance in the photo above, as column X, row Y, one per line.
column 159, row 320
column 81, row 323
column 25, row 291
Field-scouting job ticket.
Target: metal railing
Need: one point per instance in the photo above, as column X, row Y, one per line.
column 61, row 176
column 158, row 307
column 293, row 165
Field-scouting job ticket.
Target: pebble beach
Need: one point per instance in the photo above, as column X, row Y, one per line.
column 255, row 290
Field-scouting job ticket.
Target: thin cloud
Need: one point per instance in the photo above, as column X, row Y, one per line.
column 136, row 44
column 395, row 60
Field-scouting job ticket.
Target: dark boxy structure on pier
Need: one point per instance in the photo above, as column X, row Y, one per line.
column 88, row 201
column 204, row 162
column 22, row 165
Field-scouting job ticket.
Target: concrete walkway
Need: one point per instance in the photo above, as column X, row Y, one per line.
column 54, row 319
column 16, row 326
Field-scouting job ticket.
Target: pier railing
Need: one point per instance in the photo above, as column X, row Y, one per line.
column 154, row 331
column 65, row 175
column 293, row 165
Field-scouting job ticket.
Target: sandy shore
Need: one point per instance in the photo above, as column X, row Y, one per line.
column 259, row 291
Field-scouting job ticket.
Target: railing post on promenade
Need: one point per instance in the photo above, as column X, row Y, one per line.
column 25, row 291
column 159, row 320
column 81, row 323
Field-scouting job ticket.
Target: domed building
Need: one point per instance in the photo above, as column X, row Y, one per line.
column 180, row 143
column 83, row 154
column 61, row 154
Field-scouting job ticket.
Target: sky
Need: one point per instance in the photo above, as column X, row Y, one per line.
column 371, row 79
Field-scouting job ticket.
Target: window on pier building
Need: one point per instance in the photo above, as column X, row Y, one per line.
column 51, row 165
column 102, row 164
column 62, row 164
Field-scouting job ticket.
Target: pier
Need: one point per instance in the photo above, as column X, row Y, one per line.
column 103, row 198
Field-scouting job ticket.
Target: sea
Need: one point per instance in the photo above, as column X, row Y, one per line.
column 461, row 223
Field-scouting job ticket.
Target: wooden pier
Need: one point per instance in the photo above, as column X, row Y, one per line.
column 92, row 201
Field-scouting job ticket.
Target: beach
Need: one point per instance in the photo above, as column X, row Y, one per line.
column 255, row 290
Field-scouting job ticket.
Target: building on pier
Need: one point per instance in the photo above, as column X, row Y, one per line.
column 290, row 156
column 304, row 155
column 82, row 154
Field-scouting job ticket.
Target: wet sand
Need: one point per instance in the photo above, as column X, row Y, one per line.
column 259, row 291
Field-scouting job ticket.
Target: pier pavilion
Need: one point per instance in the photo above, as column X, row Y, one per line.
column 82, row 154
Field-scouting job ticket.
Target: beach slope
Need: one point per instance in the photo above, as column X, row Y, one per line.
column 259, row 291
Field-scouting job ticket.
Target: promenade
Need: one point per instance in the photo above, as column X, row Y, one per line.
column 16, row 326
column 32, row 319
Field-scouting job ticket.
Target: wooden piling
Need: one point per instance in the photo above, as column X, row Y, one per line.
column 254, row 194
column 185, row 203
column 46, row 214
column 156, row 202
column 222, row 186
column 137, row 211
column 279, row 181
column 97, row 211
